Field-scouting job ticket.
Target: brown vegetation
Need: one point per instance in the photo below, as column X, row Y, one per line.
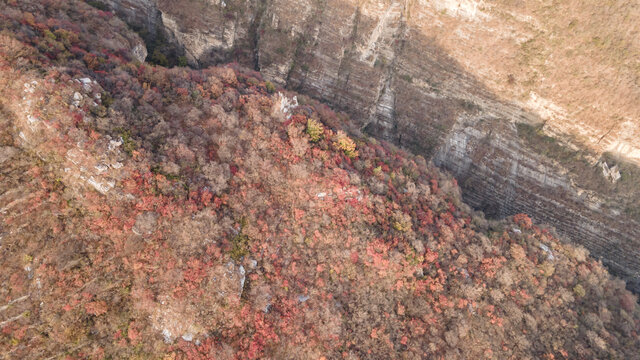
column 192, row 218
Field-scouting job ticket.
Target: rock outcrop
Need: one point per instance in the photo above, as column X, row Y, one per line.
column 502, row 177
column 450, row 81
column 143, row 13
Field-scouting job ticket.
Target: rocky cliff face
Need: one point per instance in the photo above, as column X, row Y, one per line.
column 451, row 81
column 143, row 13
column 501, row 176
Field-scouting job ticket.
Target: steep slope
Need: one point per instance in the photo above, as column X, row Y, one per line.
column 200, row 214
column 430, row 76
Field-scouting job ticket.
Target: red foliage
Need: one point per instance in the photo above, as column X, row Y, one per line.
column 227, row 226
column 96, row 308
column 523, row 220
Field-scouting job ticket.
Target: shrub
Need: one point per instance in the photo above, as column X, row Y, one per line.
column 158, row 58
column 128, row 145
column 270, row 87
column 401, row 226
column 523, row 220
column 315, row 130
column 346, row 145
column 240, row 247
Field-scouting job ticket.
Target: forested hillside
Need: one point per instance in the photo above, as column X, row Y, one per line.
column 155, row 213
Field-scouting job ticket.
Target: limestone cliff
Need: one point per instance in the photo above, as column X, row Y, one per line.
column 456, row 81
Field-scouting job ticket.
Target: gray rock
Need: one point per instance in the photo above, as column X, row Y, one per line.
column 6, row 153
column 145, row 223
column 139, row 52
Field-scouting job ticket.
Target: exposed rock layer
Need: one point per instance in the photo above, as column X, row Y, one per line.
column 379, row 62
